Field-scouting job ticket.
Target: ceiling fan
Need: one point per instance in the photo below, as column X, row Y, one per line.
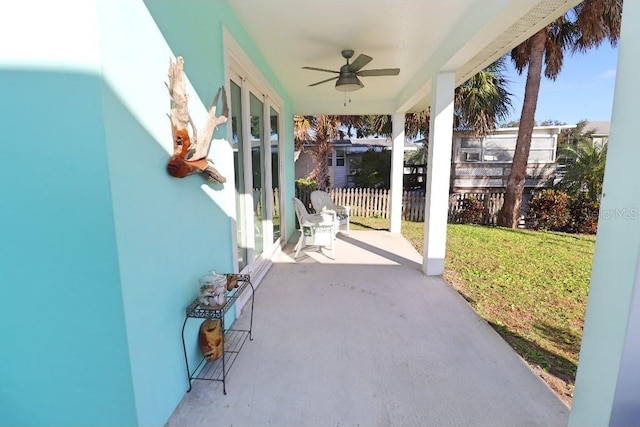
column 347, row 79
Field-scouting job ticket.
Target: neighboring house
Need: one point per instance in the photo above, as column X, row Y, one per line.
column 600, row 135
column 344, row 158
column 483, row 164
column 479, row 164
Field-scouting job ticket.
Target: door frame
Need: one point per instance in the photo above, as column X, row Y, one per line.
column 241, row 69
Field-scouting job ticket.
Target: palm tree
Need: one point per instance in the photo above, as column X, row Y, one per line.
column 415, row 125
column 585, row 172
column 585, row 26
column 358, row 126
column 326, row 130
column 483, row 100
column 302, row 130
column 480, row 103
column 321, row 130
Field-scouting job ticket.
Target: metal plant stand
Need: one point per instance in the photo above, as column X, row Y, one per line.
column 232, row 340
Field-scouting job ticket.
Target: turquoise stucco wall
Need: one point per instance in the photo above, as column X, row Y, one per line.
column 64, row 358
column 101, row 247
column 169, row 231
column 61, row 305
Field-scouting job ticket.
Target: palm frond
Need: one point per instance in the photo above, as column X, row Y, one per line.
column 585, row 171
column 302, row 130
column 597, row 21
column 483, row 100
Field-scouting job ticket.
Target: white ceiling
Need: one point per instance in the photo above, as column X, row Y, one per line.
column 421, row 37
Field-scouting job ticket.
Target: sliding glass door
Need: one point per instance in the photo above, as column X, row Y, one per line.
column 238, row 163
column 275, row 173
column 257, row 170
column 256, row 146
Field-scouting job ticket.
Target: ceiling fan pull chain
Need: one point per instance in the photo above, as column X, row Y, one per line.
column 345, row 97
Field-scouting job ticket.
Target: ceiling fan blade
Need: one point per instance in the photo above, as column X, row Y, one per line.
column 324, row 81
column 320, row 69
column 360, row 62
column 379, row 72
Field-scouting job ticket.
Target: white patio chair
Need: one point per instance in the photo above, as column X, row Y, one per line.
column 322, row 202
column 315, row 229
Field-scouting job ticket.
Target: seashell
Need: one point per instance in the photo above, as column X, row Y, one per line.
column 220, row 299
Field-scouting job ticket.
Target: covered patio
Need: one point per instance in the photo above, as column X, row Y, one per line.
column 374, row 337
column 368, row 339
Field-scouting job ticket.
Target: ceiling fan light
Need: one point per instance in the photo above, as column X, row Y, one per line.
column 348, row 84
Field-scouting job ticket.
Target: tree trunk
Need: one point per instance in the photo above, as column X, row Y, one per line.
column 515, row 183
column 320, row 172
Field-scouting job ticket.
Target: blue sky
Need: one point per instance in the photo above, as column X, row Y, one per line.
column 583, row 90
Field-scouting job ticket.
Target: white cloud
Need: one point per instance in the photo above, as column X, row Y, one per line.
column 608, row 74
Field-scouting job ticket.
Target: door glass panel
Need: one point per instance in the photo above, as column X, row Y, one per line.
column 238, row 163
column 257, row 162
column 275, row 175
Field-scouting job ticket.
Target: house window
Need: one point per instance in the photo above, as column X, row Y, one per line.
column 470, row 156
column 470, row 150
column 339, row 157
column 470, row 143
column 330, row 160
column 541, row 156
column 502, row 149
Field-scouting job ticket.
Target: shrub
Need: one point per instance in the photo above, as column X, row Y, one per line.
column 304, row 188
column 548, row 210
column 373, row 170
column 471, row 211
column 306, row 184
column 583, row 216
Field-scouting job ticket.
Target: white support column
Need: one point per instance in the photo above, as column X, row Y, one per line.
column 608, row 381
column 438, row 173
column 397, row 171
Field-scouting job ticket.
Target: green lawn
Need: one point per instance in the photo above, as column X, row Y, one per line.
column 530, row 286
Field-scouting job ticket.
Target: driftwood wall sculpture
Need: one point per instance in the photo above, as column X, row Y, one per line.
column 190, row 152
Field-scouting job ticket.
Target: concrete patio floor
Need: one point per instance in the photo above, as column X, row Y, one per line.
column 368, row 340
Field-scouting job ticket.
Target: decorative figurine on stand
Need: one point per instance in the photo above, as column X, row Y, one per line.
column 210, row 338
column 232, row 281
column 213, row 295
column 213, row 290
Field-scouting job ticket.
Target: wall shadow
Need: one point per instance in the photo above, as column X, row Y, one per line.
column 379, row 251
column 552, row 363
column 368, row 227
column 563, row 338
column 121, row 242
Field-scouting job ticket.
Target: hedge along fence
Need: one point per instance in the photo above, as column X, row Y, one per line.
column 375, row 202
column 490, row 204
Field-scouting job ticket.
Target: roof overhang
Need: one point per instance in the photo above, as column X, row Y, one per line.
column 420, row 37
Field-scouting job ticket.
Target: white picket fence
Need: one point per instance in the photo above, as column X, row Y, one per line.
column 374, row 202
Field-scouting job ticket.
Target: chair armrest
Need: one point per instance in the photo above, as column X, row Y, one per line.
column 346, row 209
column 342, row 210
column 329, row 215
column 320, row 219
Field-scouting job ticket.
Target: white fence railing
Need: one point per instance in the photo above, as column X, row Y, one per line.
column 373, row 202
